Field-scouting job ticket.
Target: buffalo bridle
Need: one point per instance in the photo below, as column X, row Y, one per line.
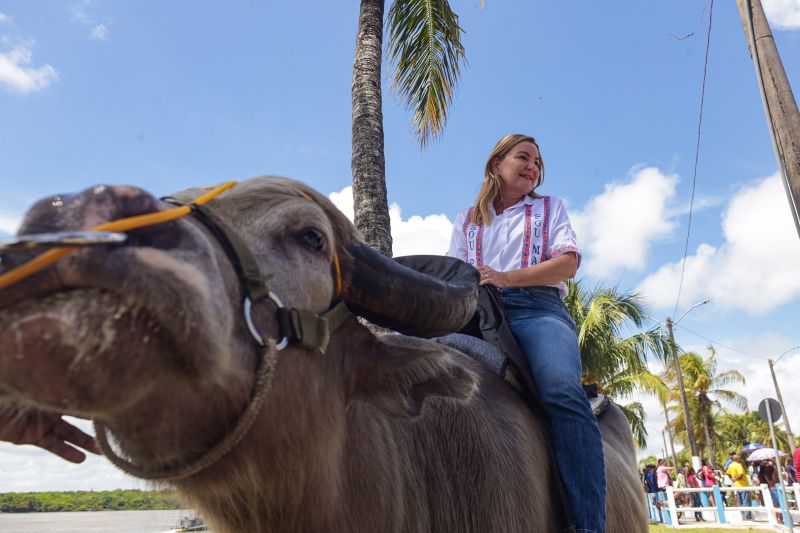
column 301, row 326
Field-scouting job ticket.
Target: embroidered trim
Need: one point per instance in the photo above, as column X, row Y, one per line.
column 563, row 249
column 474, row 235
column 546, row 230
column 526, row 237
column 467, row 220
column 478, row 245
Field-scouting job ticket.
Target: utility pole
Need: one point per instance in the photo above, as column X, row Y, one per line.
column 780, row 107
column 686, row 418
column 789, row 433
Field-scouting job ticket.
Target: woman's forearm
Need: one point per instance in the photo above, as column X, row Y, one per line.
column 548, row 272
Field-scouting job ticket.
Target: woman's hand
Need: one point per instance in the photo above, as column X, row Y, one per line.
column 490, row 276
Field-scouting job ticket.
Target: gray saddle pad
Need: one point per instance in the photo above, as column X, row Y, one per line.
column 495, row 360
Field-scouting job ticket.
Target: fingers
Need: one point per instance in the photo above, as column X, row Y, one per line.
column 55, row 445
column 486, row 273
column 59, row 438
column 74, row 435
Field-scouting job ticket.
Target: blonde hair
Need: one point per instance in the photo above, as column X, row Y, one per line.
column 492, row 184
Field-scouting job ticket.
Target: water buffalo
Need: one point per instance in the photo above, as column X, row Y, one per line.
column 359, row 433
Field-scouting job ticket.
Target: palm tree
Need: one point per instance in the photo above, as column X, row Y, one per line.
column 616, row 363
column 425, row 49
column 734, row 431
column 705, row 391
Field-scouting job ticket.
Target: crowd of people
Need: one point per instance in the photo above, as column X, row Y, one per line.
column 734, row 473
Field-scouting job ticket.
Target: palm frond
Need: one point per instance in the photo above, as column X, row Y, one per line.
column 634, row 412
column 426, row 51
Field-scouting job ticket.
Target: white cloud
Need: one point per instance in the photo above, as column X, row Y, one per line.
column 416, row 235
column 99, row 33
column 783, row 14
column 616, row 228
column 9, row 223
column 344, row 201
column 79, row 13
column 4, row 18
column 17, row 73
column 754, row 270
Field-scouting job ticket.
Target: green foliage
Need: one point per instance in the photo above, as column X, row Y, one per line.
column 618, row 364
column 115, row 500
column 707, row 393
column 425, row 48
column 649, row 460
column 734, row 431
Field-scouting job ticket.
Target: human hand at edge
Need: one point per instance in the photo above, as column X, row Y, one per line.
column 490, row 276
column 47, row 431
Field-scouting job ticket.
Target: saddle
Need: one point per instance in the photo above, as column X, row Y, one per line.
column 501, row 364
column 487, row 338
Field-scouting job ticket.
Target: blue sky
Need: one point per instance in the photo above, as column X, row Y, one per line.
column 168, row 95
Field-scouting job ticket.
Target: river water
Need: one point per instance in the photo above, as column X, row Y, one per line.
column 92, row 522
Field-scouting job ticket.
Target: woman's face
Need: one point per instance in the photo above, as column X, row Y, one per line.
column 518, row 170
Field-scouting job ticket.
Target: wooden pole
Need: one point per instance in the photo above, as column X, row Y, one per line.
column 780, row 107
column 687, row 419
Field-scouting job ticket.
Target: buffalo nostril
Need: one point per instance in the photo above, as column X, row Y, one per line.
column 164, row 236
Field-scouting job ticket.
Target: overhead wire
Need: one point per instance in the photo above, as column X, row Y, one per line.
column 696, row 155
column 699, row 22
column 715, row 343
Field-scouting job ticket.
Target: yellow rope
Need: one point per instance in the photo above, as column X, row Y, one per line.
column 49, row 257
column 124, row 224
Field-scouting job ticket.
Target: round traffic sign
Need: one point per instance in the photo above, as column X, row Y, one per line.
column 774, row 408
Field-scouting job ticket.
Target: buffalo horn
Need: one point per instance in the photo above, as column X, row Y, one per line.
column 404, row 299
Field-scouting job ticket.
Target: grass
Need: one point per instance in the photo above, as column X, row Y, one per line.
column 665, row 529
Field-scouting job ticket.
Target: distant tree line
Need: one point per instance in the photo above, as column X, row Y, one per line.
column 115, row 500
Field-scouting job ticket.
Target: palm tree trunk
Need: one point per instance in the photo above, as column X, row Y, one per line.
column 709, row 446
column 368, row 163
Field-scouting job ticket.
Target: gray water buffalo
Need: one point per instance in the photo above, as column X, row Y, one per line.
column 344, row 431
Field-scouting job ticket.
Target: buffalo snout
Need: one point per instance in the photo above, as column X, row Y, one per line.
column 99, row 205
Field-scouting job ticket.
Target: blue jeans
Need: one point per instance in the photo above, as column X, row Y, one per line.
column 744, row 498
column 546, row 333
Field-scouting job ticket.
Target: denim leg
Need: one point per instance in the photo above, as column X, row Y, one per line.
column 745, row 500
column 546, row 334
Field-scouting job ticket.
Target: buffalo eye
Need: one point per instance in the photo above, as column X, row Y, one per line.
column 313, row 239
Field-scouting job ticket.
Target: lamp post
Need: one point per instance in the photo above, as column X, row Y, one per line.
column 696, row 464
column 789, row 433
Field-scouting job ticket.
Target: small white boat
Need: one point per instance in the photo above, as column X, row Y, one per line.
column 190, row 523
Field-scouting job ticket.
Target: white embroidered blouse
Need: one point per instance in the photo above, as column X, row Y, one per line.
column 529, row 232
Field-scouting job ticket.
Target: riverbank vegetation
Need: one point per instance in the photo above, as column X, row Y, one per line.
column 114, row 500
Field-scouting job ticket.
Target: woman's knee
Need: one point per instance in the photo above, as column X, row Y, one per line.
column 568, row 400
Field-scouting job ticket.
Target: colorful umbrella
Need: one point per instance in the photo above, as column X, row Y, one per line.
column 762, row 454
column 752, row 447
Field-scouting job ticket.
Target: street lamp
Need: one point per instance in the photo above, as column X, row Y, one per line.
column 789, row 433
column 679, row 376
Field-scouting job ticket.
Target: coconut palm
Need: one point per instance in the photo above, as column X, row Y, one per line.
column 615, row 362
column 734, row 431
column 705, row 390
column 426, row 52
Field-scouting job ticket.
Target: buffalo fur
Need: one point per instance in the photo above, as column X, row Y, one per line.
column 374, row 434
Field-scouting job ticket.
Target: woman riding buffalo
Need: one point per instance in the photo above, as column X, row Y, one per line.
column 523, row 244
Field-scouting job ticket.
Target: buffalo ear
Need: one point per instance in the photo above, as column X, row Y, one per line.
column 405, row 371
